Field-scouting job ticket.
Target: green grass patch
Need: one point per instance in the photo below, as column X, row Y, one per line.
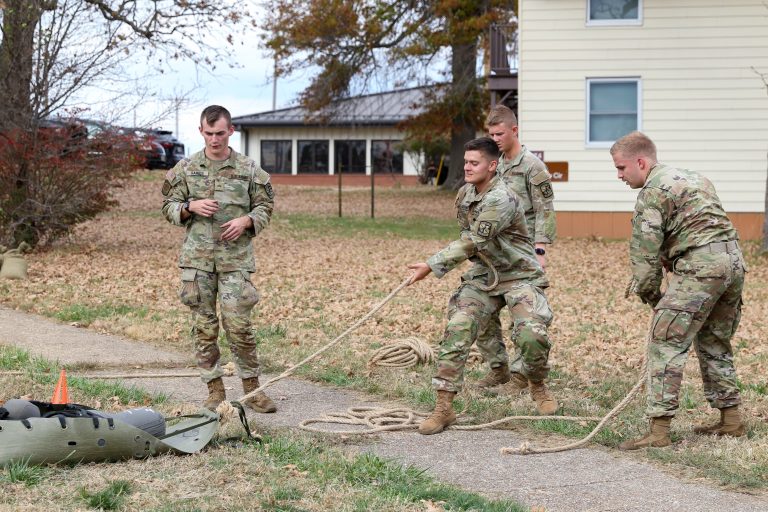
column 412, row 228
column 21, row 471
column 42, row 371
column 84, row 314
column 386, row 481
column 109, row 498
column 720, row 465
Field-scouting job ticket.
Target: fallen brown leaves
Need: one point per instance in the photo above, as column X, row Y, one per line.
column 315, row 286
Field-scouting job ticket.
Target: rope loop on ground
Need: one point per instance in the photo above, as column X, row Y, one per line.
column 403, row 354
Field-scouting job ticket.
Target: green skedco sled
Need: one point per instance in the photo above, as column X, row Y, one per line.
column 62, row 439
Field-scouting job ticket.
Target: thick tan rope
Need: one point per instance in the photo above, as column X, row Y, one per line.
column 526, row 449
column 341, row 336
column 403, row 354
column 379, row 419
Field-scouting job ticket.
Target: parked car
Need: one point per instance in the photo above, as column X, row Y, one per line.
column 174, row 148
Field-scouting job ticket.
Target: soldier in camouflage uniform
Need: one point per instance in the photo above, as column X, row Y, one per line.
column 495, row 239
column 524, row 173
column 680, row 226
column 224, row 199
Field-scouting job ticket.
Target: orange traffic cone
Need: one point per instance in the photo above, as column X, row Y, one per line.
column 60, row 394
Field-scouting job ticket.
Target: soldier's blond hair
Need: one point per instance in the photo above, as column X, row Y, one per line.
column 501, row 114
column 213, row 113
column 633, row 144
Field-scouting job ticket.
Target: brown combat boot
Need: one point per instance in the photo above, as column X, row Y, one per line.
column 259, row 402
column 545, row 402
column 730, row 424
column 442, row 416
column 216, row 394
column 658, row 437
column 495, row 377
column 516, row 384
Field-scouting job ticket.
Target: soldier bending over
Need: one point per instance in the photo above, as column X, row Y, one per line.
column 493, row 228
column 224, row 199
column 680, row 225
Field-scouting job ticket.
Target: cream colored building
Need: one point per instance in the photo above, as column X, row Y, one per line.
column 685, row 72
column 358, row 135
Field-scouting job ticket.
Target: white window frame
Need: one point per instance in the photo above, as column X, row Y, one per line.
column 607, row 144
column 615, row 23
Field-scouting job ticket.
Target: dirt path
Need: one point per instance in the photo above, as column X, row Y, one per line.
column 592, row 479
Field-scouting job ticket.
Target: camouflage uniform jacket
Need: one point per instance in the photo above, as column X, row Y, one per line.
column 241, row 188
column 529, row 178
column 492, row 223
column 676, row 210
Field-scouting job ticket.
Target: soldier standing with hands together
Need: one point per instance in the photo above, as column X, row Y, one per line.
column 224, row 199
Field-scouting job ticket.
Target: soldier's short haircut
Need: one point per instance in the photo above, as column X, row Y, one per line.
column 485, row 145
column 635, row 143
column 213, row 113
column 501, row 114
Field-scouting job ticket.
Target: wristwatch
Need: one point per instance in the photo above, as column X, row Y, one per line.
column 185, row 206
column 540, row 251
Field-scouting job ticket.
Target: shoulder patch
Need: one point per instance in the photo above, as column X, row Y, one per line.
column 546, row 190
column 484, row 228
column 166, row 187
column 540, row 177
column 170, row 175
column 270, row 191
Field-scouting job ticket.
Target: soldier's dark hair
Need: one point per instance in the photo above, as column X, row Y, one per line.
column 485, row 145
column 501, row 114
column 213, row 113
column 633, row 144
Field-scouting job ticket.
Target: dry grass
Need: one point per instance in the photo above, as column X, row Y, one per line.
column 317, row 280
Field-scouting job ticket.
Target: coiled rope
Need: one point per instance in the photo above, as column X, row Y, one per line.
column 403, row 354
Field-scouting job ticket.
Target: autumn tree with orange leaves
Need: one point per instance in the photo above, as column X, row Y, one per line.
column 346, row 45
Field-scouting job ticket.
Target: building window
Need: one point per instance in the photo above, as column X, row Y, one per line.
column 350, row 156
column 612, row 109
column 276, row 156
column 614, row 12
column 387, row 156
column 313, row 156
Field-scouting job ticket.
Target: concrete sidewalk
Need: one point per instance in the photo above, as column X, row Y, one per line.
column 592, row 479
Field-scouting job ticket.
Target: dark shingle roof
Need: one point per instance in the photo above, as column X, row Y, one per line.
column 385, row 108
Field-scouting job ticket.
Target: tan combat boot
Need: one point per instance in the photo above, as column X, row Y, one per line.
column 495, row 377
column 730, row 424
column 545, row 402
column 516, row 384
column 442, row 416
column 216, row 394
column 658, row 437
column 259, row 402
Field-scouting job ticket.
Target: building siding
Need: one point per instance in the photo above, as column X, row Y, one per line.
column 701, row 100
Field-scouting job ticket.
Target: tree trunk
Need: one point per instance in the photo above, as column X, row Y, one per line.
column 20, row 19
column 464, row 92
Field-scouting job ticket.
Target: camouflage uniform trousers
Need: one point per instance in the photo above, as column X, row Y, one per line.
column 238, row 296
column 469, row 312
column 702, row 306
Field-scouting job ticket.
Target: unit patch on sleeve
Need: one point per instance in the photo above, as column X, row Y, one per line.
column 484, row 228
column 166, row 187
column 270, row 192
column 546, row 189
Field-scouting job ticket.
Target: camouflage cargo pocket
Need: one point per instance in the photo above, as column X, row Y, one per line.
column 190, row 290
column 251, row 295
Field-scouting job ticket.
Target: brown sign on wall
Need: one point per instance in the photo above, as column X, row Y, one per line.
column 558, row 170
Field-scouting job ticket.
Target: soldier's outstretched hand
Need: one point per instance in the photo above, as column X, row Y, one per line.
column 420, row 271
